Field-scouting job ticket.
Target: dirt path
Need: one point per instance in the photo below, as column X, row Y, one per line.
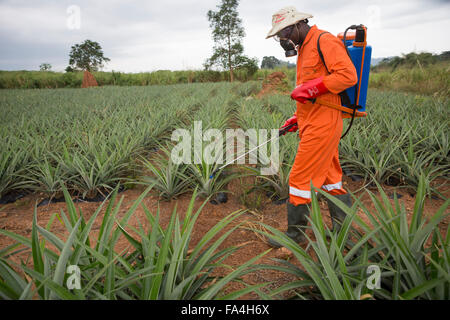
column 17, row 217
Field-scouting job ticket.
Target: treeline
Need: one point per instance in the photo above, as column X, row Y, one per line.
column 49, row 79
column 411, row 60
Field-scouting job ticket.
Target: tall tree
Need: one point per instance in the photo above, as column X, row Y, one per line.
column 227, row 32
column 87, row 56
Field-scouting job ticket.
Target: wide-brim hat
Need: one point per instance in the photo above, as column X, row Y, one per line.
column 286, row 17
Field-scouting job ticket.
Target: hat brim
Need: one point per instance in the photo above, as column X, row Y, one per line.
column 287, row 23
column 278, row 28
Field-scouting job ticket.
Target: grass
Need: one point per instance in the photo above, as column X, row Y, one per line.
column 52, row 80
column 156, row 265
column 92, row 138
column 431, row 79
column 413, row 259
column 168, row 178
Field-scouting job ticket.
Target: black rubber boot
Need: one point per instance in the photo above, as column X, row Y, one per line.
column 337, row 215
column 296, row 222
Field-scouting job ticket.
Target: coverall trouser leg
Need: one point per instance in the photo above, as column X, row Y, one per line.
column 317, row 158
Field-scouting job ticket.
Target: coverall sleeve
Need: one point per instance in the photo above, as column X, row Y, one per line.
column 342, row 71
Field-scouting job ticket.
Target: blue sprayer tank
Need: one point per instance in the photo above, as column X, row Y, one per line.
column 360, row 53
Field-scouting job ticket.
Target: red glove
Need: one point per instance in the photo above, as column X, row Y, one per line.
column 309, row 90
column 288, row 122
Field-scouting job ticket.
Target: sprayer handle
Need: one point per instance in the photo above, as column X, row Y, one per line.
column 285, row 129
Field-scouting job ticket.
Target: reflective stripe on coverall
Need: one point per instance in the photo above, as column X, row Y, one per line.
column 320, row 127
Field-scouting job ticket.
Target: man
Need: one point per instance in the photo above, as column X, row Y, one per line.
column 319, row 126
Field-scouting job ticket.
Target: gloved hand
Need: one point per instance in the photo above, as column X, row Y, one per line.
column 288, row 122
column 309, row 90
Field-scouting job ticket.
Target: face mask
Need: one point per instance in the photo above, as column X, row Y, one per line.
column 289, row 48
column 288, row 45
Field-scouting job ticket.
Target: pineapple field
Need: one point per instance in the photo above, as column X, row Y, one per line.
column 87, row 180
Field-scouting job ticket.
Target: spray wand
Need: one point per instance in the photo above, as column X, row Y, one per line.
column 280, row 133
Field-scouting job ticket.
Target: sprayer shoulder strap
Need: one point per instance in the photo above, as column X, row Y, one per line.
column 320, row 51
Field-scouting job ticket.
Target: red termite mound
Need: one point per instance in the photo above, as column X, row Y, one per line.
column 89, row 80
column 275, row 82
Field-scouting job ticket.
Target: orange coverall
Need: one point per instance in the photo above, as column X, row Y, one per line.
column 320, row 127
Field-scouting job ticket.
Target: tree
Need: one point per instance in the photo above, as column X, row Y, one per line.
column 45, row 67
column 270, row 62
column 227, row 34
column 445, row 55
column 250, row 64
column 87, row 56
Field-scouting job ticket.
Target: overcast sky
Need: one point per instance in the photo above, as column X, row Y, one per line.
column 175, row 34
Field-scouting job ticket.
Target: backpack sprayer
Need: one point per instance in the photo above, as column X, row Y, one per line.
column 280, row 133
column 353, row 99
